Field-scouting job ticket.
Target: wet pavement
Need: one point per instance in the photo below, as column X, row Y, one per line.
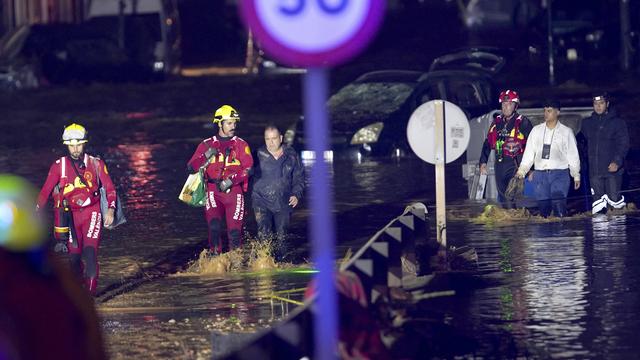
column 559, row 289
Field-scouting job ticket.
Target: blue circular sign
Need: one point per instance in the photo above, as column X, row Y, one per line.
column 313, row 32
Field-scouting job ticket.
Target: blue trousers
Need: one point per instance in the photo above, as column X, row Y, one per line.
column 552, row 187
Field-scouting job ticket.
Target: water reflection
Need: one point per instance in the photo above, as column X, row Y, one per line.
column 143, row 176
column 555, row 284
column 613, row 297
column 566, row 289
column 192, row 308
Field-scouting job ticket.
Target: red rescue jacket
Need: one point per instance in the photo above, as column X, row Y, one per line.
column 78, row 194
column 233, row 160
column 514, row 141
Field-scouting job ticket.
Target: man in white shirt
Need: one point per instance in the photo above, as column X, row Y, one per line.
column 552, row 149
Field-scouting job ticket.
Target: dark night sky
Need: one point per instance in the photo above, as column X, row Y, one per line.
column 412, row 34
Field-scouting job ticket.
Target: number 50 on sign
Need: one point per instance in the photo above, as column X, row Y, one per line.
column 313, row 32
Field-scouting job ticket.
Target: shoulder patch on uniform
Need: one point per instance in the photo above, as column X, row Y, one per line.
column 247, row 150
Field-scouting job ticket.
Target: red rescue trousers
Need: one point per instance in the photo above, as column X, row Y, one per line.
column 230, row 206
column 87, row 229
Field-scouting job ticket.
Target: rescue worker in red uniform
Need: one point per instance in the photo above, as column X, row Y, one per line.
column 44, row 312
column 78, row 178
column 227, row 162
column 507, row 135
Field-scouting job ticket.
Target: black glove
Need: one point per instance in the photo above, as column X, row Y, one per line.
column 211, row 152
column 224, row 185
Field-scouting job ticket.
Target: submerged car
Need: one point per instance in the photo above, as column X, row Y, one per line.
column 369, row 116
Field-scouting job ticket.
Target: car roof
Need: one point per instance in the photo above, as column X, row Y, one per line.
column 454, row 73
column 570, row 116
column 476, row 59
column 390, row 76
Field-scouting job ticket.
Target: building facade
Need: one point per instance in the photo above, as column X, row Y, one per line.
column 21, row 12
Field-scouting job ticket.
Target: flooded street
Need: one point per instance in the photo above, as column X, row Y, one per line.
column 179, row 316
column 564, row 290
column 549, row 289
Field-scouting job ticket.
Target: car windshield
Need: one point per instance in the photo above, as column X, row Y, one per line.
column 374, row 100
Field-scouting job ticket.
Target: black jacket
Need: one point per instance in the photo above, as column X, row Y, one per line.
column 277, row 180
column 607, row 141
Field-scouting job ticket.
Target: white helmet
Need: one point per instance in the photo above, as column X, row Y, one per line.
column 74, row 134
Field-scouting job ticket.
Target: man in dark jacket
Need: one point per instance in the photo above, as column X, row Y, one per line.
column 277, row 190
column 608, row 144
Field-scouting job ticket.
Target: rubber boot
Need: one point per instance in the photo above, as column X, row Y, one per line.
column 215, row 245
column 91, row 284
column 235, row 239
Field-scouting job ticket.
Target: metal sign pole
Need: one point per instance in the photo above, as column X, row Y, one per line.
column 447, row 125
column 316, row 35
column 552, row 72
column 322, row 222
column 440, row 154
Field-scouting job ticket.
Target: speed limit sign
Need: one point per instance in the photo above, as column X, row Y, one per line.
column 316, row 34
column 313, row 32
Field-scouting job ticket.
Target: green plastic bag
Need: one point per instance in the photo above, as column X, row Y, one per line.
column 194, row 191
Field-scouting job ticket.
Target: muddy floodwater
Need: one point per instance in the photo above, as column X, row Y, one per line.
column 548, row 289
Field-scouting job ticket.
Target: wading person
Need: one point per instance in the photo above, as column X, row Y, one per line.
column 552, row 150
column 44, row 312
column 77, row 178
column 277, row 190
column 227, row 161
column 507, row 135
column 607, row 144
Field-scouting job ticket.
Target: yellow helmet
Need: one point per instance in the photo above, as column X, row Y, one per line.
column 20, row 226
column 225, row 112
column 74, row 134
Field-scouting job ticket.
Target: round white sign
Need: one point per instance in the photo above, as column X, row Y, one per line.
column 313, row 32
column 334, row 22
column 421, row 131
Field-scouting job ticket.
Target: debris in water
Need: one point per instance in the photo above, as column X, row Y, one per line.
column 210, row 264
column 256, row 256
column 260, row 255
column 345, row 259
column 494, row 214
column 630, row 207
